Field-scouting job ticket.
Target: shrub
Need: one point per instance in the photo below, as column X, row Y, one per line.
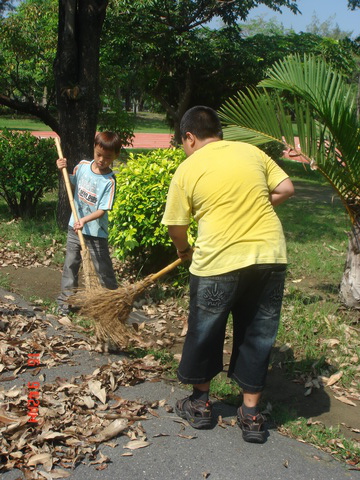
column 27, row 171
column 273, row 149
column 135, row 221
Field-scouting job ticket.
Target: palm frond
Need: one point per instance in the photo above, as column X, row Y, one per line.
column 325, row 118
column 312, row 80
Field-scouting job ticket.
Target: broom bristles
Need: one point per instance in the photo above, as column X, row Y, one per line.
column 110, row 310
column 91, row 278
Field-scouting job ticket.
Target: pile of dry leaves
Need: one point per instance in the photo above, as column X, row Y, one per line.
column 13, row 253
column 74, row 416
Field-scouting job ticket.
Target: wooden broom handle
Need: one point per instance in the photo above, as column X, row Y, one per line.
column 166, row 269
column 69, row 192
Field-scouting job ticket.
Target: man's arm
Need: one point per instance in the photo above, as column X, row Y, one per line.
column 178, row 234
column 282, row 192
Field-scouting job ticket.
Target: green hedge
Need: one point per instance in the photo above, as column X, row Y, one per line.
column 27, row 171
column 135, row 221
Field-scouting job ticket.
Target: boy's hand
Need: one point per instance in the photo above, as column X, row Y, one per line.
column 61, row 163
column 79, row 225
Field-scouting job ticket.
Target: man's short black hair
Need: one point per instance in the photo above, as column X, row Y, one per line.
column 201, row 121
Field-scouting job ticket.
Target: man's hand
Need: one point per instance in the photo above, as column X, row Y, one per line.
column 185, row 254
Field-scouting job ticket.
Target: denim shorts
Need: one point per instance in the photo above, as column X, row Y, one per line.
column 253, row 296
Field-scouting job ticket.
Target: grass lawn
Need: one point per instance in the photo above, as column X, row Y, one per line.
column 18, row 123
column 145, row 122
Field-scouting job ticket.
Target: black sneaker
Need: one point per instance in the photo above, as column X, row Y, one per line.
column 197, row 412
column 252, row 426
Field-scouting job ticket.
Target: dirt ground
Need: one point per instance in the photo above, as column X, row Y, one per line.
column 43, row 282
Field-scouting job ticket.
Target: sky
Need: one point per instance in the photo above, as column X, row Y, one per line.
column 324, row 9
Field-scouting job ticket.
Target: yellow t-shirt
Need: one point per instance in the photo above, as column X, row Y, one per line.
column 225, row 186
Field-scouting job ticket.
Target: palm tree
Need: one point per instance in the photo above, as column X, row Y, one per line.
column 324, row 107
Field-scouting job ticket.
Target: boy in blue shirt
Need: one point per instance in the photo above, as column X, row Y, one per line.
column 94, row 193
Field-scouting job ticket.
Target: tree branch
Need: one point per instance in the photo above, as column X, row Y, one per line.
column 31, row 109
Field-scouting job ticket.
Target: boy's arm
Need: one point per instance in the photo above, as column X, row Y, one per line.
column 282, row 192
column 88, row 218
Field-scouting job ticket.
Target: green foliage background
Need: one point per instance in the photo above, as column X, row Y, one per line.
column 135, row 221
column 27, row 171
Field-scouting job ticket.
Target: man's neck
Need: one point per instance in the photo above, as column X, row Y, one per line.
column 201, row 143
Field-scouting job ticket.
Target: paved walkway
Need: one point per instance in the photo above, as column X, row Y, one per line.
column 175, row 450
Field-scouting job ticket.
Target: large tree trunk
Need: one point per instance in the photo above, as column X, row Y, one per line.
column 350, row 283
column 76, row 71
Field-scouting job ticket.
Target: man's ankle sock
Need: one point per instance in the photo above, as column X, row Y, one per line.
column 253, row 411
column 199, row 395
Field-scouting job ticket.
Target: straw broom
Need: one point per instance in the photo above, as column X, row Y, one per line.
column 111, row 308
column 91, row 279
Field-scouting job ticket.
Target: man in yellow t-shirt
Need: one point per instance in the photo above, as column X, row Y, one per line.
column 238, row 263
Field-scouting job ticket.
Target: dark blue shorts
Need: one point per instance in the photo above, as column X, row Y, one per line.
column 254, row 296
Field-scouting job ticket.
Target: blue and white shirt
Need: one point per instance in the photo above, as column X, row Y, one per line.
column 93, row 191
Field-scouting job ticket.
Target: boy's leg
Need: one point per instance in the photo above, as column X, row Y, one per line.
column 210, row 303
column 256, row 318
column 255, row 321
column 99, row 250
column 70, row 275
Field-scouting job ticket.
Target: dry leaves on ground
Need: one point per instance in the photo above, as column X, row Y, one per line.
column 15, row 255
column 75, row 415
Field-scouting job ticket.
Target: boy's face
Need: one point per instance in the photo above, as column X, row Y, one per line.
column 103, row 158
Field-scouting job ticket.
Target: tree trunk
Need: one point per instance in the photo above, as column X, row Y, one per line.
column 350, row 283
column 183, row 105
column 76, row 71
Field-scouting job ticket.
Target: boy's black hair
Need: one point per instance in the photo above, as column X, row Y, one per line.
column 108, row 141
column 201, row 121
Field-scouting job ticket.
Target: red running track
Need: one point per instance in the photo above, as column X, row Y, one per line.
column 162, row 140
column 140, row 140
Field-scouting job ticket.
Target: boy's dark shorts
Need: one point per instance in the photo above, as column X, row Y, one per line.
column 254, row 296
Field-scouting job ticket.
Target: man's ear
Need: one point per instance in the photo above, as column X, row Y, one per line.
column 191, row 138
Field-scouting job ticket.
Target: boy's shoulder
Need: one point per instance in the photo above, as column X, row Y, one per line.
column 83, row 163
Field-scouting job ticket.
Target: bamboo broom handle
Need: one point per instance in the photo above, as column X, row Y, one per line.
column 166, row 269
column 69, row 192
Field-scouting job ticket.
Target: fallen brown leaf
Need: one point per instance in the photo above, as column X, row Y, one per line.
column 334, row 378
column 136, row 444
column 345, row 400
column 44, row 459
column 111, row 431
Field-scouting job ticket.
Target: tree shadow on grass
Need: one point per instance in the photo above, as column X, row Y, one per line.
column 292, row 393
